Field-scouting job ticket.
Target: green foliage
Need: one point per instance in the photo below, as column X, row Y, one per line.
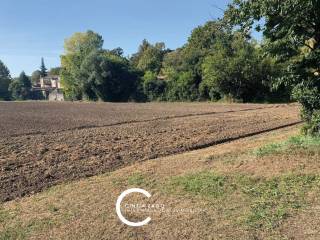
column 5, row 80
column 297, row 142
column 269, row 149
column 275, row 199
column 55, row 71
column 149, row 57
column 200, row 44
column 90, row 72
column 182, row 87
column 293, row 36
column 77, row 48
column 216, row 62
column 20, row 87
column 137, row 180
column 220, row 63
column 107, row 77
column 309, row 97
column 269, row 201
column 204, row 183
column 235, row 68
column 153, row 88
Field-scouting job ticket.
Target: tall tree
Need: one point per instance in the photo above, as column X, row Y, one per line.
column 5, row 80
column 43, row 69
column 292, row 32
column 77, row 48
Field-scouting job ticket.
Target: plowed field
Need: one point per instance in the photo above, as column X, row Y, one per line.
column 43, row 144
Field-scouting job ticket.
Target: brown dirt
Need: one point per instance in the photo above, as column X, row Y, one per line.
column 110, row 136
column 22, row 118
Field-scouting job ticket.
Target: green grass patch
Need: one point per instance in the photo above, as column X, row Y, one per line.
column 20, row 229
column 204, row 183
column 297, row 142
column 269, row 149
column 136, row 179
column 274, row 200
column 268, row 201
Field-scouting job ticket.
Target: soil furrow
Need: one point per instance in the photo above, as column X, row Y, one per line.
column 29, row 164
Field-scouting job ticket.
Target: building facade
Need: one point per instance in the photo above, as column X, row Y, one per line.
column 50, row 87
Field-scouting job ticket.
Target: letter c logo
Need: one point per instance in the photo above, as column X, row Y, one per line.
column 118, row 207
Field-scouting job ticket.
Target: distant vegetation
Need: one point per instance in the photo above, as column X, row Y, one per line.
column 219, row 61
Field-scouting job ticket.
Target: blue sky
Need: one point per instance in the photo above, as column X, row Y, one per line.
column 33, row 29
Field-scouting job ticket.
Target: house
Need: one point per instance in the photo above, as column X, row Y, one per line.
column 50, row 82
column 50, row 87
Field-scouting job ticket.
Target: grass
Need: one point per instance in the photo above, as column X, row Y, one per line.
column 22, row 230
column 136, row 179
column 13, row 233
column 270, row 200
column 203, row 184
column 301, row 142
column 274, row 200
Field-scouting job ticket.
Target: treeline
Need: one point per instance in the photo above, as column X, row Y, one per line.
column 216, row 63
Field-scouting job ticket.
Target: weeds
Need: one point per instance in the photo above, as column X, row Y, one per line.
column 270, row 201
column 205, row 183
column 136, row 179
column 300, row 142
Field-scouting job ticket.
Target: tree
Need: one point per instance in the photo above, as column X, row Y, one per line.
column 181, row 87
column 21, row 87
column 153, row 88
column 77, row 48
column 5, row 80
column 187, row 61
column 237, row 69
column 292, row 31
column 201, row 43
column 55, row 71
column 149, row 57
column 43, row 69
column 117, row 51
column 35, row 77
column 107, row 77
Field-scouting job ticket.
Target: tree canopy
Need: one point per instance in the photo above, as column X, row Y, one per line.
column 91, row 72
column 77, row 48
column 292, row 32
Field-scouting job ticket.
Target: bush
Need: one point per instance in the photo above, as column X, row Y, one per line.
column 153, row 88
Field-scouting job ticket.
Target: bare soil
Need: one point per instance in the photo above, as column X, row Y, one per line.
column 44, row 144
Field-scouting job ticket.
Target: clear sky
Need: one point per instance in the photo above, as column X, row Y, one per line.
column 33, row 29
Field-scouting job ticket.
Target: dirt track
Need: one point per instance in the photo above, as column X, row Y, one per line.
column 43, row 144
